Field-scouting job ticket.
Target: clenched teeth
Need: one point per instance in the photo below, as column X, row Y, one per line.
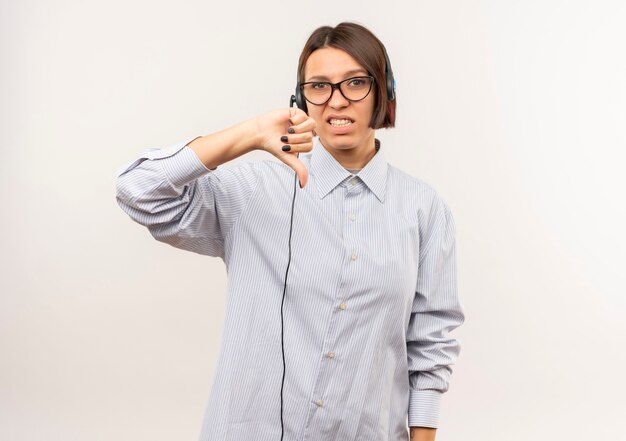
column 340, row 122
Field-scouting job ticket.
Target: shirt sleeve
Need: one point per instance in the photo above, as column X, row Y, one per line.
column 180, row 201
column 435, row 312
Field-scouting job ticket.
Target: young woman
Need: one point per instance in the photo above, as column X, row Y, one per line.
column 341, row 290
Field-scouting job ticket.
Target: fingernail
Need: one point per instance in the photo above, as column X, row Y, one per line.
column 284, row 138
column 291, row 130
column 286, row 148
column 300, row 183
column 290, row 122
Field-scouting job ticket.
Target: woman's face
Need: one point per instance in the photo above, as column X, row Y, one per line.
column 356, row 138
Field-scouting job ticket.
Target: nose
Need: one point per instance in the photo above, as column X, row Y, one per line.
column 337, row 100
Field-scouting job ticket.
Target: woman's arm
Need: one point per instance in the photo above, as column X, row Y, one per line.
column 173, row 192
column 436, row 311
column 270, row 132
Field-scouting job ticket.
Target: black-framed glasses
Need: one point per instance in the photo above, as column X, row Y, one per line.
column 352, row 89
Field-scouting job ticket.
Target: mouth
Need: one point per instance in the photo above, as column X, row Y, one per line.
column 339, row 122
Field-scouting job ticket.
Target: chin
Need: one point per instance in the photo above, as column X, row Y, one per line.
column 338, row 142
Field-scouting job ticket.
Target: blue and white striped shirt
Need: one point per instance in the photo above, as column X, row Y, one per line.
column 371, row 293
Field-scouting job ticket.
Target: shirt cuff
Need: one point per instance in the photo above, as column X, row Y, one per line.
column 424, row 408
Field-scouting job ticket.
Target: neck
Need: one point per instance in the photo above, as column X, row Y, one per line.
column 357, row 157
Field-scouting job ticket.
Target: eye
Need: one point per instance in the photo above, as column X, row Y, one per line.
column 319, row 86
column 359, row 83
column 356, row 82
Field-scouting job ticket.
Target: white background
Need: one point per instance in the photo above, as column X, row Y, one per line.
column 513, row 110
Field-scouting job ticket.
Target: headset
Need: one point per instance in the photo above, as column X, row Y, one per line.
column 300, row 102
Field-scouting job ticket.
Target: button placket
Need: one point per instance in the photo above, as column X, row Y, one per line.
column 328, row 366
column 351, row 203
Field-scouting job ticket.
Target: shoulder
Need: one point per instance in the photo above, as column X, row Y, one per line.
column 413, row 190
column 423, row 206
column 418, row 202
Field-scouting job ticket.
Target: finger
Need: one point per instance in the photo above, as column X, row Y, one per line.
column 307, row 125
column 298, row 148
column 296, row 116
column 292, row 161
column 297, row 138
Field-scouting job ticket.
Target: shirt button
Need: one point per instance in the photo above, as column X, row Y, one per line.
column 353, row 257
column 342, row 306
column 331, row 354
column 353, row 181
column 352, row 217
column 319, row 403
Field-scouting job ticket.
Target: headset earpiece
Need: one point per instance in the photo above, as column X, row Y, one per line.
column 299, row 98
column 391, row 82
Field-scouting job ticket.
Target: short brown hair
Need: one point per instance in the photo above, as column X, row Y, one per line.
column 368, row 51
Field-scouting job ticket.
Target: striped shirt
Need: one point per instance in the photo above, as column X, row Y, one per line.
column 371, row 292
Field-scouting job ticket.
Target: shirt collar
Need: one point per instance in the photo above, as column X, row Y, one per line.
column 329, row 173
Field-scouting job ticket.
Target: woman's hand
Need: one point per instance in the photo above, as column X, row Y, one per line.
column 423, row 434
column 284, row 133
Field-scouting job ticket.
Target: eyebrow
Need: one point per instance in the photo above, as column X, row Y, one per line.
column 347, row 75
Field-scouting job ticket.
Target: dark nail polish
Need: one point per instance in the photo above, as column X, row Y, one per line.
column 290, row 122
column 286, row 148
column 300, row 183
column 291, row 130
column 284, row 138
